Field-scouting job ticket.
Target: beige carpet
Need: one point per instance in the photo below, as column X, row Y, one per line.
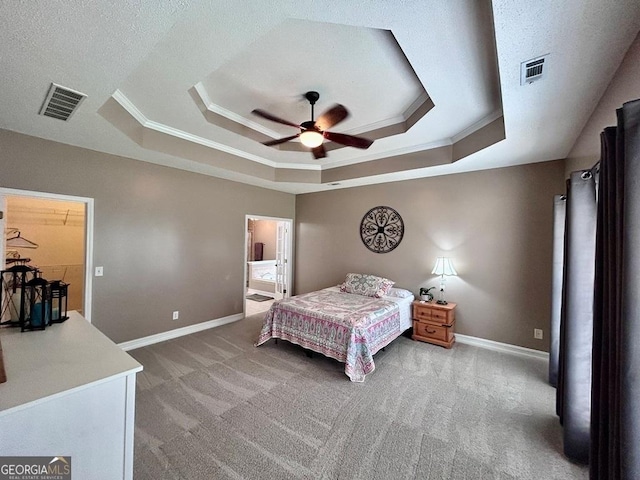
column 213, row 406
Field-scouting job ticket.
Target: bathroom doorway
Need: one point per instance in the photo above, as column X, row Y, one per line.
column 268, row 267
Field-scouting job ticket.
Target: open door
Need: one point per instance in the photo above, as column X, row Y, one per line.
column 271, row 232
column 282, row 261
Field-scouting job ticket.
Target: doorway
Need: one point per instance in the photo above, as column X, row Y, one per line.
column 52, row 233
column 268, row 267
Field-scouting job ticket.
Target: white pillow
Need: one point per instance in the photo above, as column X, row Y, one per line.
column 399, row 293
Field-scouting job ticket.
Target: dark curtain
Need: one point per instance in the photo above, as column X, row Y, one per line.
column 576, row 332
column 559, row 203
column 563, row 314
column 615, row 421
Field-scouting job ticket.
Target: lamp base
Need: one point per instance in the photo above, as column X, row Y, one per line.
column 442, row 302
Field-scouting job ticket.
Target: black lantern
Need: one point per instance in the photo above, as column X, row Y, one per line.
column 39, row 315
column 14, row 301
column 58, row 301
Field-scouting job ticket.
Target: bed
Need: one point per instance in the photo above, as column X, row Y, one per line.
column 348, row 327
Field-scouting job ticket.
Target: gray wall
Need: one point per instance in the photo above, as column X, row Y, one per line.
column 624, row 87
column 495, row 224
column 168, row 239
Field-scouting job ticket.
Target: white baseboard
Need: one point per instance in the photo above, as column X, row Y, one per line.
column 501, row 347
column 198, row 327
column 178, row 332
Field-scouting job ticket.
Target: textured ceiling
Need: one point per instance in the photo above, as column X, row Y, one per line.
column 436, row 84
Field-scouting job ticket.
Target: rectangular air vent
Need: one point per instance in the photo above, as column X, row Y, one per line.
column 61, row 102
column 533, row 70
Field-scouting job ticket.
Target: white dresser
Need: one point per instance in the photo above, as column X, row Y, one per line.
column 70, row 391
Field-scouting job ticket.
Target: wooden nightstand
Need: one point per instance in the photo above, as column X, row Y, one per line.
column 434, row 323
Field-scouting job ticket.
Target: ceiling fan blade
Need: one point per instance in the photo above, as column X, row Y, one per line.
column 271, row 143
column 319, row 152
column 348, row 140
column 331, row 117
column 268, row 116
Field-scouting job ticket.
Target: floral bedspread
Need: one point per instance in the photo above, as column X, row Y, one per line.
column 347, row 327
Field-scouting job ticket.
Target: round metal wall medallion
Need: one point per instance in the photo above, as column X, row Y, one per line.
column 381, row 229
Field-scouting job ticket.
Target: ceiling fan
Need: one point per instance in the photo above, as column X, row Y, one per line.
column 313, row 133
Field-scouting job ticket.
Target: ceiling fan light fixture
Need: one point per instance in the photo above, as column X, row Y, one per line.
column 311, row 138
column 313, row 132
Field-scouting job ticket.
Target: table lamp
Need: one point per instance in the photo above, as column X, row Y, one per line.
column 443, row 267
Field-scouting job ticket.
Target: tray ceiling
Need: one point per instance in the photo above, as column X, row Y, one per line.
column 436, row 84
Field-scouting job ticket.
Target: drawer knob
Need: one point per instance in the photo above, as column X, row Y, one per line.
column 431, row 331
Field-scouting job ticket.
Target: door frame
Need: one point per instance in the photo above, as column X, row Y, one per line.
column 88, row 227
column 288, row 249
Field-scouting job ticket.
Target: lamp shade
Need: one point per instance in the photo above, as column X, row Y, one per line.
column 444, row 266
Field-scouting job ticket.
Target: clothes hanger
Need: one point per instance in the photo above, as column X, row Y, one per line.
column 20, row 242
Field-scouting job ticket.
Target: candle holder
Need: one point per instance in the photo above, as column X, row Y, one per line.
column 39, row 315
column 14, row 300
column 58, row 301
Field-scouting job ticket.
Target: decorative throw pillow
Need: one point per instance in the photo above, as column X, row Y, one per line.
column 367, row 285
column 385, row 286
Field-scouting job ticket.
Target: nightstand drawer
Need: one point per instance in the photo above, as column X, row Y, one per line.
column 439, row 315
column 431, row 331
column 422, row 313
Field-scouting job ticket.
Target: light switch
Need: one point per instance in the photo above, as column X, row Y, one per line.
column 99, row 271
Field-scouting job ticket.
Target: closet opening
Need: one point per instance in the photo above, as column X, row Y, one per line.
column 52, row 234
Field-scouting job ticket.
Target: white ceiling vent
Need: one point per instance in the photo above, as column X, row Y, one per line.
column 533, row 70
column 61, row 102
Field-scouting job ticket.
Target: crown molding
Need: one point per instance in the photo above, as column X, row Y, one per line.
column 483, row 122
column 135, row 112
column 234, row 117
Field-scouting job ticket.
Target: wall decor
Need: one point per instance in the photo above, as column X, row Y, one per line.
column 381, row 229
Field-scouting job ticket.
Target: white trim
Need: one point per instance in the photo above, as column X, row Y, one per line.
column 502, row 347
column 88, row 262
column 416, row 104
column 234, row 117
column 88, row 227
column 179, row 332
column 399, row 119
column 483, row 122
column 130, row 107
column 363, row 129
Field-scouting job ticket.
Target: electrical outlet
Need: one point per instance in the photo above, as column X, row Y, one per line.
column 537, row 333
column 99, row 271
column 176, row 315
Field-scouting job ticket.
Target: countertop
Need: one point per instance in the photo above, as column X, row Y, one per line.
column 56, row 361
